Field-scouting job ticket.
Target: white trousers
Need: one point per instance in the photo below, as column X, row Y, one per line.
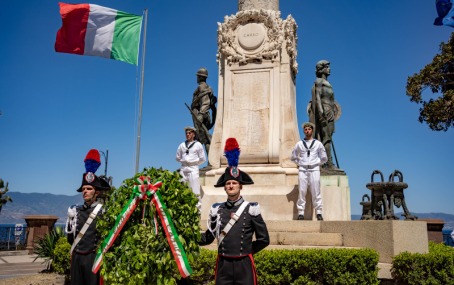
column 191, row 176
column 309, row 179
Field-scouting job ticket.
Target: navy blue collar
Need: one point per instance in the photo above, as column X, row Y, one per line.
column 231, row 204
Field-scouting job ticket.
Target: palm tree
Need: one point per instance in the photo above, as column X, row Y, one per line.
column 4, row 198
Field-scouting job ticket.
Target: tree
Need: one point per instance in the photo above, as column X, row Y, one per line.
column 438, row 76
column 4, row 198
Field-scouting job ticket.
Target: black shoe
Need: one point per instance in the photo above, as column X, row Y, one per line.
column 300, row 217
column 319, row 217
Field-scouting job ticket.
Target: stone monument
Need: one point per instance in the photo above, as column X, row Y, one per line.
column 257, row 52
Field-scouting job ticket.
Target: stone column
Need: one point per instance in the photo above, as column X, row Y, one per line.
column 258, row 4
column 257, row 106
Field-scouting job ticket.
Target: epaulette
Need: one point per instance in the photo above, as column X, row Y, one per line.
column 254, row 209
column 72, row 211
column 214, row 209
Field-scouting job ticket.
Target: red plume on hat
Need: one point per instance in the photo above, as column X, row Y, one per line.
column 92, row 161
column 232, row 152
column 232, row 172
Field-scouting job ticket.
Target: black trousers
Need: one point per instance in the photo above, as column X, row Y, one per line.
column 235, row 270
column 81, row 273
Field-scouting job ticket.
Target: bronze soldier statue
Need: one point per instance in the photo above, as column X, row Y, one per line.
column 324, row 110
column 202, row 102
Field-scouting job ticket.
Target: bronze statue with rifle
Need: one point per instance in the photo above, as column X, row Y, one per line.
column 203, row 102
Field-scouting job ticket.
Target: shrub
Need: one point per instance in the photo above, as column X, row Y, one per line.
column 62, row 259
column 317, row 266
column 203, row 267
column 310, row 266
column 46, row 245
column 435, row 267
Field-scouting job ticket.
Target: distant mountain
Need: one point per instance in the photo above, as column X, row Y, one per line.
column 49, row 204
column 37, row 204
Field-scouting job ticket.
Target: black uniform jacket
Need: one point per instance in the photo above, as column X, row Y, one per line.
column 89, row 241
column 238, row 241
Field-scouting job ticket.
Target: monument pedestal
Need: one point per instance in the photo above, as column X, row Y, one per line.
column 276, row 190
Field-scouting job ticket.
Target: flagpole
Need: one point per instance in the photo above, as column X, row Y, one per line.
column 139, row 121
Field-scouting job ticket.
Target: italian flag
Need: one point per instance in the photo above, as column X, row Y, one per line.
column 90, row 29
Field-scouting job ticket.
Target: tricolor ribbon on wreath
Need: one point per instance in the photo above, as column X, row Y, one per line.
column 142, row 190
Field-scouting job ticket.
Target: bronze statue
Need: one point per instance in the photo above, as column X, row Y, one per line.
column 202, row 102
column 324, row 110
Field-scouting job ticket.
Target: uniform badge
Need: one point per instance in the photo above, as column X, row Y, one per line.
column 234, row 171
column 89, row 177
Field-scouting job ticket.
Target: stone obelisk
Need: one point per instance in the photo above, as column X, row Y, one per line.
column 257, row 52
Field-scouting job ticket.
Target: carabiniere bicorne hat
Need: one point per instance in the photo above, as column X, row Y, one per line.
column 92, row 162
column 232, row 172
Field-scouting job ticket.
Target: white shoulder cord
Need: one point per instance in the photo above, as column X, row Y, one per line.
column 217, row 221
column 71, row 221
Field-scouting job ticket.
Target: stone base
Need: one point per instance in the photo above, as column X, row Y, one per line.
column 389, row 237
column 276, row 190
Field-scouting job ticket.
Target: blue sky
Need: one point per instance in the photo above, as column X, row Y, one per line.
column 56, row 106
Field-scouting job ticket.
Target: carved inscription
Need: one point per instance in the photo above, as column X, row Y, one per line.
column 250, row 115
column 251, row 36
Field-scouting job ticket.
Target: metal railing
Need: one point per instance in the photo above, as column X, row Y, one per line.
column 447, row 239
column 13, row 237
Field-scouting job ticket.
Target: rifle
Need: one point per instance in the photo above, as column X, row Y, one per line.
column 194, row 118
column 334, row 151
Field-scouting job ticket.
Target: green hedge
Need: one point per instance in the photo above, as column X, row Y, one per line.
column 310, row 266
column 62, row 260
column 435, row 267
column 318, row 266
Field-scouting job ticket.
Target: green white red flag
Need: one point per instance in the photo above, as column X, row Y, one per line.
column 89, row 29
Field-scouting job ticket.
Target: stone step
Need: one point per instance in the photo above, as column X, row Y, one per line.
column 214, row 246
column 286, row 226
column 306, row 239
column 294, row 226
column 299, row 233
